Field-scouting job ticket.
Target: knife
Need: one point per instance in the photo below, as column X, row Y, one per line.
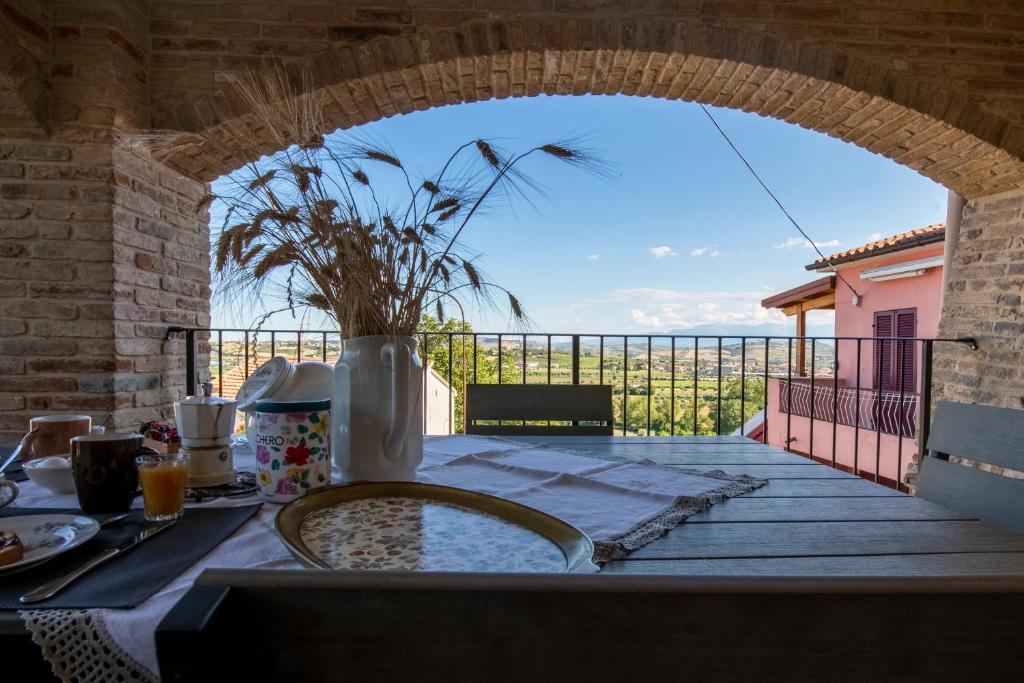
column 51, row 588
column 9, row 459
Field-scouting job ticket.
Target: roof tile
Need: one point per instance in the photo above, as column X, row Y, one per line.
column 903, row 240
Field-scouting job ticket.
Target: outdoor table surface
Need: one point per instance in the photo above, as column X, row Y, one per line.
column 810, row 519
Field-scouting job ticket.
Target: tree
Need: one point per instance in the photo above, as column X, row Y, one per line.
column 483, row 369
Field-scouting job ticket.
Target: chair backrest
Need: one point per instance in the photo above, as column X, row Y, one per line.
column 982, row 434
column 540, row 402
column 434, row 628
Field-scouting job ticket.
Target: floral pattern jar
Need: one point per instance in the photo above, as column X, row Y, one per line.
column 293, row 449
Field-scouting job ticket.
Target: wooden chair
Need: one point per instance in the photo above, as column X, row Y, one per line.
column 986, row 435
column 239, row 625
column 540, row 402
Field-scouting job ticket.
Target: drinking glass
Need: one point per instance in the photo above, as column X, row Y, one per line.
column 163, row 478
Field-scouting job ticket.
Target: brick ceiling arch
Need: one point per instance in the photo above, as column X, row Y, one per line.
column 945, row 135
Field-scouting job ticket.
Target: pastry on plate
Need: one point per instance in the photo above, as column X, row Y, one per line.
column 11, row 549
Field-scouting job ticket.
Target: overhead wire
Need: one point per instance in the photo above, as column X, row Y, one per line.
column 775, row 198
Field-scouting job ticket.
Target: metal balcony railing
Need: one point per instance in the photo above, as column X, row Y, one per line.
column 887, row 412
column 662, row 384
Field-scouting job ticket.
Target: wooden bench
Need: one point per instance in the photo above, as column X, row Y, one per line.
column 242, row 625
column 539, row 403
column 983, row 434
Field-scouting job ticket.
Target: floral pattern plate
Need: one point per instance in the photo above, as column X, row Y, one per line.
column 423, row 527
column 46, row 536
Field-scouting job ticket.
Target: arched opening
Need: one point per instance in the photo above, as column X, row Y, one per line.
column 907, row 84
column 946, row 138
column 645, row 402
column 954, row 141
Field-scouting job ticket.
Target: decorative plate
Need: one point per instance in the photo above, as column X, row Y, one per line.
column 405, row 526
column 46, row 536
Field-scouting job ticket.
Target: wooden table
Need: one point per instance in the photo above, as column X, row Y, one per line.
column 809, row 520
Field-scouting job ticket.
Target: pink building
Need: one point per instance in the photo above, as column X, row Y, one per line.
column 886, row 296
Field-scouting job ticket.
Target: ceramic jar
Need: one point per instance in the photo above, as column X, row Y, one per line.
column 281, row 380
column 293, row 448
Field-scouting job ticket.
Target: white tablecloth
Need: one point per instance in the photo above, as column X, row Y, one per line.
column 620, row 506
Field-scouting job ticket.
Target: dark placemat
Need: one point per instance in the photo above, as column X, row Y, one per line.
column 129, row 579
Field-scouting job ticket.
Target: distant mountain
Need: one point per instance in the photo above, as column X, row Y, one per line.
column 761, row 330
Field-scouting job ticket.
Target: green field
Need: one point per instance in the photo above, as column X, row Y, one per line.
column 727, row 381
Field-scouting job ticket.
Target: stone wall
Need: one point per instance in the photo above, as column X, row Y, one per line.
column 983, row 300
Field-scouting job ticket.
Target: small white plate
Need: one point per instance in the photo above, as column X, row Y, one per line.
column 46, row 536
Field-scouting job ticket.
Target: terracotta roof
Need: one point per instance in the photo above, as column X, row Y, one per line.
column 919, row 237
column 235, row 377
column 233, row 380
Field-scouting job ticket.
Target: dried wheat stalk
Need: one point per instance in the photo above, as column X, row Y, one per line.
column 308, row 223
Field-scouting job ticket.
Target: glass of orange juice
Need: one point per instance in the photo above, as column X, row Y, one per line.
column 163, row 484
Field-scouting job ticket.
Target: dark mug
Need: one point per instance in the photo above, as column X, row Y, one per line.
column 103, row 465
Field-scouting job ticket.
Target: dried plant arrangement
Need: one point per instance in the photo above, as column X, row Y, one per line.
column 311, row 226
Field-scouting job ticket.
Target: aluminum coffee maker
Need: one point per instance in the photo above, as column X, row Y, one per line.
column 205, row 425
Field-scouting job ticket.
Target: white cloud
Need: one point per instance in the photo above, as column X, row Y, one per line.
column 592, row 257
column 661, row 252
column 874, row 237
column 712, row 251
column 683, row 316
column 644, row 320
column 801, row 242
column 651, row 294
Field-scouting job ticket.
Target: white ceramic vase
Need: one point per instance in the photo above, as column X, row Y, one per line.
column 377, row 409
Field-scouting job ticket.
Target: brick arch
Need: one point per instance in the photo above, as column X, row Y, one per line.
column 943, row 135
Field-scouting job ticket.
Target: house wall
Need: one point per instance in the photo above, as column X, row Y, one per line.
column 923, row 293
column 871, row 446
column 439, row 405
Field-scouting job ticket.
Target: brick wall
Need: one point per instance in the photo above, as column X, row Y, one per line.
column 161, row 265
column 56, row 280
column 102, row 247
column 903, row 78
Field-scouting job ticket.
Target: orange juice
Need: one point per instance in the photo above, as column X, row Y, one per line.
column 163, row 489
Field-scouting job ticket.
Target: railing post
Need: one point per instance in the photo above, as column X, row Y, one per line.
column 925, row 409
column 575, row 359
column 191, row 353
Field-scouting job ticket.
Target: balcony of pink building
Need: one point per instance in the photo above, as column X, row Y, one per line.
column 864, row 431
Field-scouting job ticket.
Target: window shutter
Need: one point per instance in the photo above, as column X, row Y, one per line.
column 885, row 323
column 906, row 327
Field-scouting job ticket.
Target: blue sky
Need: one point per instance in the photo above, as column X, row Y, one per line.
column 683, row 236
